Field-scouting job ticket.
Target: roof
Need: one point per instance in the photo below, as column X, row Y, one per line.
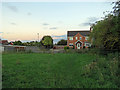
column 73, row 33
column 4, row 41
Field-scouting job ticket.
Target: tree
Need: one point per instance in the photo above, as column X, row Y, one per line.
column 17, row 42
column 47, row 41
column 116, row 12
column 106, row 33
column 62, row 42
column 116, row 8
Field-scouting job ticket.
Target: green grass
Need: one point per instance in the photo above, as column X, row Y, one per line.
column 48, row 71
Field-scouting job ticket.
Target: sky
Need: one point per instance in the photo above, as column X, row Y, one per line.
column 23, row 20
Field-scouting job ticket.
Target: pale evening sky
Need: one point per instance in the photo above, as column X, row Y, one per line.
column 23, row 20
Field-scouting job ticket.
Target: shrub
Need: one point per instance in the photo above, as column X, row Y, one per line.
column 83, row 47
column 67, row 47
column 89, row 47
column 73, row 47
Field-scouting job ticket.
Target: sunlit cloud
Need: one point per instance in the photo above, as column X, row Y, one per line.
column 13, row 23
column 45, row 24
column 59, row 36
column 13, row 8
column 53, row 28
column 29, row 13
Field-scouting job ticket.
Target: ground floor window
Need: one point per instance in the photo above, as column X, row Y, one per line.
column 70, row 44
column 87, row 44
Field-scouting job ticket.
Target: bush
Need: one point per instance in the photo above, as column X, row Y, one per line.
column 83, row 47
column 73, row 47
column 66, row 47
column 89, row 47
column 104, row 70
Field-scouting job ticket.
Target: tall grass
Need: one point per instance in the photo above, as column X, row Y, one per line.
column 104, row 70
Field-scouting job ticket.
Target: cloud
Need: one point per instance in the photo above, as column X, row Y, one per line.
column 89, row 21
column 29, row 13
column 56, row 40
column 60, row 22
column 85, row 24
column 13, row 23
column 92, row 19
column 45, row 24
column 53, row 28
column 13, row 8
column 59, row 36
column 25, row 41
column 3, row 38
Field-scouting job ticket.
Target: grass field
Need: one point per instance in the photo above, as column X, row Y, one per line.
column 47, row 71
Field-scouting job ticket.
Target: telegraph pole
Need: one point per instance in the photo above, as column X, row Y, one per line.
column 38, row 36
column 38, row 39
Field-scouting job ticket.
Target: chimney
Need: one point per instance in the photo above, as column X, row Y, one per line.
column 90, row 29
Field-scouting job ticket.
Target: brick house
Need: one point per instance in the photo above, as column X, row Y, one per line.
column 4, row 42
column 78, row 39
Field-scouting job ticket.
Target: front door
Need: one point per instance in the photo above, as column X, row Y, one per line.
column 78, row 45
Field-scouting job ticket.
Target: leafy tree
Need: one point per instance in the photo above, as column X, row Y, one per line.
column 47, row 41
column 32, row 43
column 106, row 33
column 116, row 13
column 116, row 8
column 17, row 42
column 62, row 42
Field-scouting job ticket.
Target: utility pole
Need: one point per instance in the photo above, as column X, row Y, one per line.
column 38, row 36
column 38, row 39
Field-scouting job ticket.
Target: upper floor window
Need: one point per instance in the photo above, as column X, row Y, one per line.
column 86, row 38
column 80, row 38
column 76, row 38
column 70, row 38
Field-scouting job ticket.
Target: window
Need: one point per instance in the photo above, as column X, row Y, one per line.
column 87, row 44
column 76, row 38
column 70, row 44
column 80, row 38
column 86, row 38
column 70, row 38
